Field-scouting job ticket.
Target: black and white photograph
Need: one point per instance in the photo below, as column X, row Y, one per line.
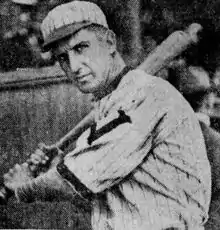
column 110, row 114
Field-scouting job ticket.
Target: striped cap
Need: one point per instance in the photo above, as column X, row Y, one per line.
column 66, row 19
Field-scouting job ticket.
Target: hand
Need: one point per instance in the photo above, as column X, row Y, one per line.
column 39, row 157
column 43, row 154
column 18, row 175
column 44, row 158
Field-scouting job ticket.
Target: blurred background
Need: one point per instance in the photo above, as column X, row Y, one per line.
column 37, row 104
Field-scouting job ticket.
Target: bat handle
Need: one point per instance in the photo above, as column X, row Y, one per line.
column 5, row 194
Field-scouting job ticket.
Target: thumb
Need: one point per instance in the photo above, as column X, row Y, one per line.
column 42, row 146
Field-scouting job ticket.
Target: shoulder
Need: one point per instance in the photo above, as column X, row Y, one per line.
column 138, row 79
column 137, row 87
column 141, row 91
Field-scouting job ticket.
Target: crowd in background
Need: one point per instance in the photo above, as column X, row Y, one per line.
column 20, row 37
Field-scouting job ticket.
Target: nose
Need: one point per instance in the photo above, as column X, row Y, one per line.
column 74, row 62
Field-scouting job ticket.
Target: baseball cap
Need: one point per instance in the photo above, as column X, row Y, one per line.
column 67, row 19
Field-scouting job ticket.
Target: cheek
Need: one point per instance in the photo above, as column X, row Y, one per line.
column 99, row 56
column 98, row 66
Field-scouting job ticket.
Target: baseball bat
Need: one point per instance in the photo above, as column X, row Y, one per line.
column 160, row 57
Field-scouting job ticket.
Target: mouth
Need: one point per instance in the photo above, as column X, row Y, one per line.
column 82, row 78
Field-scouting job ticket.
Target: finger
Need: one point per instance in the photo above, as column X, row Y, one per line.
column 6, row 176
column 40, row 155
column 37, row 161
column 47, row 149
column 29, row 161
column 40, row 159
column 11, row 171
column 8, row 181
column 42, row 146
column 25, row 165
column 37, row 157
column 32, row 168
column 43, row 162
column 17, row 167
column 27, row 169
column 34, row 162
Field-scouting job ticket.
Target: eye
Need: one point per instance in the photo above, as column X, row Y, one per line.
column 63, row 58
column 80, row 48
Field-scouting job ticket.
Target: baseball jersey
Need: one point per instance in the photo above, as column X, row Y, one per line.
column 144, row 164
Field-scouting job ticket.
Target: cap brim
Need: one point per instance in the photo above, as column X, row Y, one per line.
column 61, row 33
column 26, row 2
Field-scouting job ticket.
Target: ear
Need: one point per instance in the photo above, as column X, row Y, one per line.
column 111, row 41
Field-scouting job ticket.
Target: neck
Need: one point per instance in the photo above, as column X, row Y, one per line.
column 116, row 66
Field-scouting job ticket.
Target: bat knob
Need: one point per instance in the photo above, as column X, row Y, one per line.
column 193, row 30
column 3, row 199
column 5, row 194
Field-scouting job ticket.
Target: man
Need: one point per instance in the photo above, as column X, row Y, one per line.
column 141, row 164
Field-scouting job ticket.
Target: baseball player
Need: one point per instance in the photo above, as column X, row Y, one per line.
column 143, row 164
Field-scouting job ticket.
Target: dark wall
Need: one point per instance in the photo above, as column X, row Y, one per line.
column 30, row 115
column 37, row 106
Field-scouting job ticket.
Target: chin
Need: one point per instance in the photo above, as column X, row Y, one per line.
column 88, row 88
column 83, row 90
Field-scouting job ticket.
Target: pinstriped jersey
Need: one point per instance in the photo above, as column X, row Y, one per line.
column 145, row 166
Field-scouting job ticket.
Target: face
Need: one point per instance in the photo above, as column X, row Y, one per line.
column 86, row 60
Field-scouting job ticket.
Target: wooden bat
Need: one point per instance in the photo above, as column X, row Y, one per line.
column 160, row 57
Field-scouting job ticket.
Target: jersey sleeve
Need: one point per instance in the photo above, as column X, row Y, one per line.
column 47, row 187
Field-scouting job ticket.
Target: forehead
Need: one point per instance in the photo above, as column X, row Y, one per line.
column 68, row 43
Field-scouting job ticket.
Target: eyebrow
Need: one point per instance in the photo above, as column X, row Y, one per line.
column 78, row 43
column 68, row 46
